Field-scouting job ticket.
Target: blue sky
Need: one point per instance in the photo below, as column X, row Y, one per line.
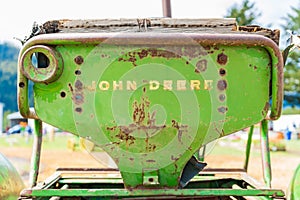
column 17, row 16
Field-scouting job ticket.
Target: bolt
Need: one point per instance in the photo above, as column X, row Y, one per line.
column 222, row 85
column 222, row 59
column 78, row 60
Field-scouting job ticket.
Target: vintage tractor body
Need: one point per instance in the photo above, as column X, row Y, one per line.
column 151, row 93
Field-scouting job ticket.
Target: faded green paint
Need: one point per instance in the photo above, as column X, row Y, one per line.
column 52, row 66
column 90, row 184
column 36, row 152
column 294, row 187
column 152, row 106
column 10, row 181
column 248, row 147
column 119, row 193
column 265, row 153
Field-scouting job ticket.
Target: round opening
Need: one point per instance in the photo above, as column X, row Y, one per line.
column 21, row 84
column 40, row 60
column 63, row 94
column 150, row 179
column 77, row 72
column 222, row 72
column 79, row 110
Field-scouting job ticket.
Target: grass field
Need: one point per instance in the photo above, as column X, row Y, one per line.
column 228, row 152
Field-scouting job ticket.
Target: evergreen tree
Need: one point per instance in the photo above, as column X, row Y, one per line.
column 245, row 14
column 292, row 66
column 8, row 76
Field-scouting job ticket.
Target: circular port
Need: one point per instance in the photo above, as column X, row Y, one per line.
column 41, row 64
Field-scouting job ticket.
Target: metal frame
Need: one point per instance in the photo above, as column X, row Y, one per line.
column 108, row 183
column 158, row 39
column 207, row 183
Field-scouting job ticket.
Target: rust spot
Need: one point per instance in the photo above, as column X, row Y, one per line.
column 175, row 124
column 143, row 54
column 126, row 137
column 222, row 97
column 21, row 84
column 149, row 147
column 254, row 67
column 132, row 159
column 207, row 48
column 222, row 72
column 132, row 56
column 220, row 132
column 78, row 85
column 78, row 96
column 150, row 161
column 265, row 109
column 71, row 87
column 222, row 109
column 144, row 121
column 222, row 85
column 181, row 129
column 174, row 158
column 78, row 60
column 111, row 128
column 79, row 110
column 201, row 66
column 105, row 56
column 222, row 59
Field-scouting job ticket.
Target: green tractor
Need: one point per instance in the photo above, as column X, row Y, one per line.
column 151, row 93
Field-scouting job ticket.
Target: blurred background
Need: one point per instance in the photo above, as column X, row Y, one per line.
column 18, row 17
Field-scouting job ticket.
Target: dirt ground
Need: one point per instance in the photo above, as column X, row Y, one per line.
column 282, row 167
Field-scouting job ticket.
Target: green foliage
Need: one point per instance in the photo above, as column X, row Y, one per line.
column 245, row 14
column 292, row 20
column 8, row 52
column 291, row 111
column 8, row 76
column 5, row 120
column 292, row 66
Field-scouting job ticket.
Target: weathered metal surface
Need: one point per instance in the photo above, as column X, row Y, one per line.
column 49, row 61
column 159, row 193
column 151, row 92
column 36, row 152
column 152, row 100
column 227, row 25
column 10, row 181
column 248, row 147
column 293, row 192
column 209, row 183
column 265, row 151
